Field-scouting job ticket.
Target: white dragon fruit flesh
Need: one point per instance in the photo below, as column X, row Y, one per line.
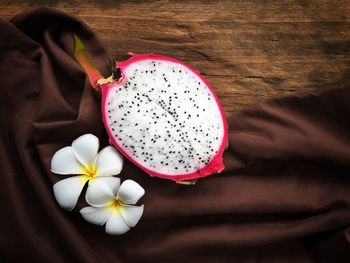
column 164, row 117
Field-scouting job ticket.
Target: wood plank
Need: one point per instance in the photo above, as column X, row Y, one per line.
column 248, row 50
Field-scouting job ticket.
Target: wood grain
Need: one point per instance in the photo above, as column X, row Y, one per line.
column 248, row 50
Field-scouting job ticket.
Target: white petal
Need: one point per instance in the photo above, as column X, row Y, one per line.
column 131, row 214
column 64, row 162
column 96, row 215
column 108, row 162
column 67, row 191
column 85, row 148
column 116, row 225
column 130, row 192
column 102, row 190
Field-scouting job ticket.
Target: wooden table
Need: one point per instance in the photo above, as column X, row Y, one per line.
column 248, row 49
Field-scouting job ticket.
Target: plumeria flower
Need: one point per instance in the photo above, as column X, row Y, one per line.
column 82, row 159
column 114, row 205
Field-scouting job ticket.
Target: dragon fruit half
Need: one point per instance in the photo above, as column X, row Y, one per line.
column 162, row 115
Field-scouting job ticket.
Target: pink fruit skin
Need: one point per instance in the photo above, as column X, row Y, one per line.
column 216, row 165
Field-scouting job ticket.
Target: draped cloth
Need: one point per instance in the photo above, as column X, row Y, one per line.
column 283, row 197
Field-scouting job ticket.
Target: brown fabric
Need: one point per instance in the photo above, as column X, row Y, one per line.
column 284, row 196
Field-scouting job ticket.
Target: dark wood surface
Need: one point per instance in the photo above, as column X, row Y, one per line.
column 248, row 50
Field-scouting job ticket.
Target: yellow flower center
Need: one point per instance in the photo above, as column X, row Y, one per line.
column 90, row 172
column 116, row 204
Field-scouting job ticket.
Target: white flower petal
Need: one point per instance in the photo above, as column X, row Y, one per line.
column 108, row 162
column 96, row 215
column 131, row 214
column 67, row 191
column 102, row 190
column 85, row 148
column 116, row 225
column 130, row 192
column 64, row 162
